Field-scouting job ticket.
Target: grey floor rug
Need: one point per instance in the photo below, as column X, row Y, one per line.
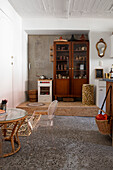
column 73, row 143
column 35, row 104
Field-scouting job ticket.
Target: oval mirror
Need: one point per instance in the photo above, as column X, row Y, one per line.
column 101, row 47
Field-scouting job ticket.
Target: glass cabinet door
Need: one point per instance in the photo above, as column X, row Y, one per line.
column 62, row 61
column 79, row 61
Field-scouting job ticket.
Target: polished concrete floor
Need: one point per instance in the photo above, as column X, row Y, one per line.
column 73, row 143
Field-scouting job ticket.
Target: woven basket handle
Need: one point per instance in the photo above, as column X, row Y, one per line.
column 104, row 112
column 109, row 89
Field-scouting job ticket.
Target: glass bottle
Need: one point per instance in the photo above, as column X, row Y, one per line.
column 111, row 72
column 4, row 107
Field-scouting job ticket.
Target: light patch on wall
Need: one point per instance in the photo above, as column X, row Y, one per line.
column 111, row 55
column 3, row 14
column 100, row 63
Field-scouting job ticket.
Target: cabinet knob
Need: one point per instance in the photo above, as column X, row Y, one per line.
column 101, row 90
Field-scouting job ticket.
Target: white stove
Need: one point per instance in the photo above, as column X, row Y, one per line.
column 44, row 90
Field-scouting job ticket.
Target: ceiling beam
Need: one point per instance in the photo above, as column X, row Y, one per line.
column 44, row 6
column 68, row 8
column 53, row 7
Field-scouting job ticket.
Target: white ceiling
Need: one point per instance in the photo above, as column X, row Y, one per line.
column 63, row 8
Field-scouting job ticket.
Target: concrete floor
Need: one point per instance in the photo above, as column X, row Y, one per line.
column 73, row 143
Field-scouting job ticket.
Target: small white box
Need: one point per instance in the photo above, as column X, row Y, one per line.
column 81, row 66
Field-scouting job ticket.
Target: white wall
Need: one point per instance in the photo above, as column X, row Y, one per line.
column 94, row 58
column 11, row 86
column 91, row 24
column 25, row 62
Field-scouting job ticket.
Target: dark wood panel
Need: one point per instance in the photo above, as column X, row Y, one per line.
column 108, row 104
column 108, row 99
column 77, row 86
column 62, row 87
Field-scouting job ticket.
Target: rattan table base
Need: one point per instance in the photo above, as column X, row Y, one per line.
column 13, row 138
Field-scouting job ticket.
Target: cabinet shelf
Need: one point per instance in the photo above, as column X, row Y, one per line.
column 80, row 51
column 63, row 60
column 62, row 79
column 45, row 91
column 79, row 61
column 62, row 50
column 79, row 78
column 62, row 70
column 79, row 70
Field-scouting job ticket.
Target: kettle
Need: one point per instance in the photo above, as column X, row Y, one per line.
column 42, row 77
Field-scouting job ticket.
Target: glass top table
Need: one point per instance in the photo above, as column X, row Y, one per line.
column 16, row 117
column 12, row 115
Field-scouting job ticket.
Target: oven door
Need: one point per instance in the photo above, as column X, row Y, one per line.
column 44, row 90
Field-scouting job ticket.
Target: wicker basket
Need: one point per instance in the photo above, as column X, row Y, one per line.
column 88, row 94
column 33, row 95
column 104, row 126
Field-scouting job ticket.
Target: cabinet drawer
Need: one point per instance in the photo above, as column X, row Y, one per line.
column 102, row 83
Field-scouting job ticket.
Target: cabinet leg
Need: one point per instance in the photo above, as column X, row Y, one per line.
column 55, row 97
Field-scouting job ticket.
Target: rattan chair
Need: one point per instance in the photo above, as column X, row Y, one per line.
column 2, row 143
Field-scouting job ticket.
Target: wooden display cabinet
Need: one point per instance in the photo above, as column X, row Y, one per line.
column 71, row 68
column 80, row 66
